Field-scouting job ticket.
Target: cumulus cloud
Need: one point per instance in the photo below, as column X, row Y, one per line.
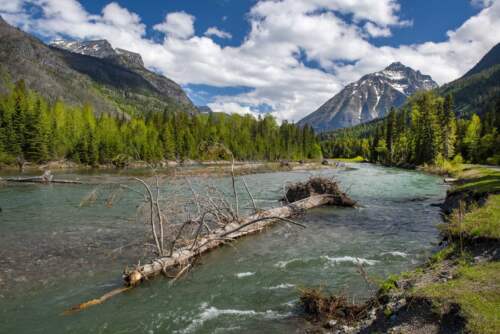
column 214, row 31
column 274, row 59
column 178, row 25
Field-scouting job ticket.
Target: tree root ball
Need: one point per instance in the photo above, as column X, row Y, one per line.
column 318, row 186
column 134, row 278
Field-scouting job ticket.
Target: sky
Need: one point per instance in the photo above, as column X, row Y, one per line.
column 285, row 57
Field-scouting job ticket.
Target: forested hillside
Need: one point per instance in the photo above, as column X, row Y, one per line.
column 33, row 128
column 425, row 130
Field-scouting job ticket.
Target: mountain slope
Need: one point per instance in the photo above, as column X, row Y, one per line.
column 369, row 98
column 490, row 59
column 25, row 57
column 478, row 89
column 122, row 70
column 112, row 85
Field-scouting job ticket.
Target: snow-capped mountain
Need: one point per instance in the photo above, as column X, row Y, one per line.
column 369, row 98
column 101, row 49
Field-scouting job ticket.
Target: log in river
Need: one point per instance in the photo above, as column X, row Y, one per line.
column 252, row 224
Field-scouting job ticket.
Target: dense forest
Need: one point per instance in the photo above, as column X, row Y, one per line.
column 425, row 130
column 38, row 131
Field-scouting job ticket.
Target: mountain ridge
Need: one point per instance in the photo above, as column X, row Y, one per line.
column 478, row 89
column 369, row 98
column 114, row 83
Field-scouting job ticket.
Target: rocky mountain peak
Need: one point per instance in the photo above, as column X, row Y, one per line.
column 369, row 98
column 396, row 66
column 101, row 49
column 129, row 57
column 98, row 48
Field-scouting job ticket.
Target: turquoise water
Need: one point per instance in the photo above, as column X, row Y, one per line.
column 56, row 254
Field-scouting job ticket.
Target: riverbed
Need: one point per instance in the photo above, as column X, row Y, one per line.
column 56, row 253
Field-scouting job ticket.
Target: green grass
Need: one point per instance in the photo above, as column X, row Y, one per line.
column 479, row 180
column 479, row 222
column 443, row 254
column 476, row 290
column 390, row 283
column 356, row 159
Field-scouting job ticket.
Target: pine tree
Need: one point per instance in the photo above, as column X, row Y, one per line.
column 472, row 138
column 390, row 133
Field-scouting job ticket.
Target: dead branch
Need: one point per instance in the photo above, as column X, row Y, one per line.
column 249, row 194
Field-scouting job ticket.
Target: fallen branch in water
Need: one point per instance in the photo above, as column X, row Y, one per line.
column 96, row 301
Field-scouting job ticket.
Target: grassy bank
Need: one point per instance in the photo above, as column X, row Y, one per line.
column 353, row 160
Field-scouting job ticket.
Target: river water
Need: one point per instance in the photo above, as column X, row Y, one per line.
column 54, row 254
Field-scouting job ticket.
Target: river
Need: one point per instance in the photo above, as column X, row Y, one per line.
column 55, row 254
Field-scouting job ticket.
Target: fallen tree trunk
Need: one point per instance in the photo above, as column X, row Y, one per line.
column 248, row 225
column 38, row 179
column 314, row 193
column 46, row 178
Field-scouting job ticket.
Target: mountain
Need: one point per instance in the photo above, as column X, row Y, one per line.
column 479, row 89
column 369, row 98
column 490, row 59
column 205, row 109
column 111, row 80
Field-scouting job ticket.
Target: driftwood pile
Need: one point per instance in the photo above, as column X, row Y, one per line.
column 318, row 186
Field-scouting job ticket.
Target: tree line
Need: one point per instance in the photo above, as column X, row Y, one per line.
column 39, row 131
column 424, row 130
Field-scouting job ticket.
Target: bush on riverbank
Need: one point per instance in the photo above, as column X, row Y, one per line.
column 479, row 222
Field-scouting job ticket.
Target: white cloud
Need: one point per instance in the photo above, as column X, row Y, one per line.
column 232, row 108
column 270, row 58
column 179, row 25
column 214, row 31
column 116, row 15
column 11, row 6
column 376, row 31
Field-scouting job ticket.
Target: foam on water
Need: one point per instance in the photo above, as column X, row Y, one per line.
column 281, row 286
column 349, row 259
column 210, row 312
column 395, row 253
column 245, row 274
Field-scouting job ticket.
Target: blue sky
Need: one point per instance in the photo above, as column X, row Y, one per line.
column 431, row 19
column 286, row 57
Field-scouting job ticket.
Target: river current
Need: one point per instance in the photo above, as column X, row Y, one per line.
column 55, row 253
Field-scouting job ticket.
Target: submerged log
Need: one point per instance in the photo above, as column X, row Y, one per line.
column 248, row 225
